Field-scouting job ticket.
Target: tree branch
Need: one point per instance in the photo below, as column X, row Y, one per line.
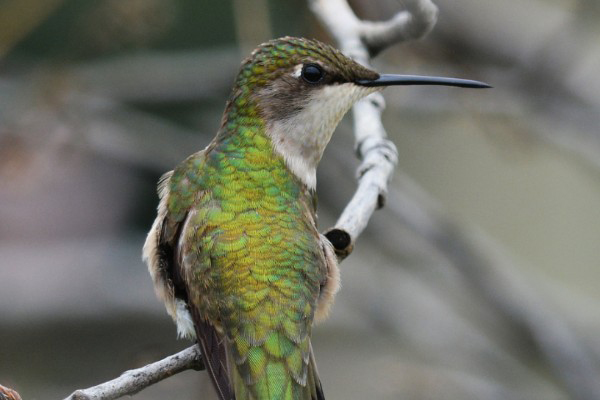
column 359, row 40
column 416, row 21
column 131, row 382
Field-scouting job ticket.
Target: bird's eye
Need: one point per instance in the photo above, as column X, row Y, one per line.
column 312, row 73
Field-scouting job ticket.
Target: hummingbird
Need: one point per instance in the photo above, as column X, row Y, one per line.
column 234, row 253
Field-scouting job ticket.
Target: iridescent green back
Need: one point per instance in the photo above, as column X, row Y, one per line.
column 255, row 260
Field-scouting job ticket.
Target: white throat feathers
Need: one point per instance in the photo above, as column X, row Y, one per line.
column 301, row 137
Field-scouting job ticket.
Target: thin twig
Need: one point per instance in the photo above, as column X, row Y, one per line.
column 415, row 22
column 359, row 39
column 131, row 382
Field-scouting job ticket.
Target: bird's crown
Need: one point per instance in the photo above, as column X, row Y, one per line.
column 280, row 56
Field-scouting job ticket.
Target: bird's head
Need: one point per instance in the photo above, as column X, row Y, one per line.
column 301, row 89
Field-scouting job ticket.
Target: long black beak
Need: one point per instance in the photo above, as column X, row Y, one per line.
column 395, row 80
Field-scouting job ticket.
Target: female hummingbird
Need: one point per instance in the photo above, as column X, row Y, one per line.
column 234, row 252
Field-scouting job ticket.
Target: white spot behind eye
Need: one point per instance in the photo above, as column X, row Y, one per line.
column 297, row 71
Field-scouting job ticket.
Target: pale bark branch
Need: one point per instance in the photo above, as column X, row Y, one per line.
column 415, row 22
column 131, row 382
column 359, row 40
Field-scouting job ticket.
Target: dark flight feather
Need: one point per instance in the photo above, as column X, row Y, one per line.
column 215, row 356
column 213, row 348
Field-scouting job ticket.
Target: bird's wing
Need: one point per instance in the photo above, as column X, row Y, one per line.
column 214, row 351
column 314, row 383
column 179, row 196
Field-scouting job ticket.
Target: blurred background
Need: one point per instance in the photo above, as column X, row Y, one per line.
column 478, row 280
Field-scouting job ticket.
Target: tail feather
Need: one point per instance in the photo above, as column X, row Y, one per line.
column 262, row 376
column 276, row 369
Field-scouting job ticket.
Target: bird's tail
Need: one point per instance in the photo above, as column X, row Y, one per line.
column 276, row 370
